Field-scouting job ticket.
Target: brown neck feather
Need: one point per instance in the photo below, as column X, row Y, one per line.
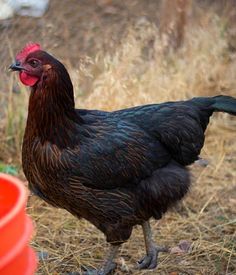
column 51, row 114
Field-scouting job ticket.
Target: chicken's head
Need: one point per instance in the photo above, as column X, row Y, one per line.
column 30, row 64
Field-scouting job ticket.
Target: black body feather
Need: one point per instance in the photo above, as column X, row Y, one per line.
column 115, row 169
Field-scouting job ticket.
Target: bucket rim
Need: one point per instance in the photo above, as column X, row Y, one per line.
column 20, row 245
column 20, row 201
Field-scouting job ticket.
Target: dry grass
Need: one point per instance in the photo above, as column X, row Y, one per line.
column 137, row 73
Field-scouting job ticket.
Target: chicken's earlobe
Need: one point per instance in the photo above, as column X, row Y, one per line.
column 47, row 67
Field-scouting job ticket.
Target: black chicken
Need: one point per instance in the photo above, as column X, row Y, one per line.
column 115, row 169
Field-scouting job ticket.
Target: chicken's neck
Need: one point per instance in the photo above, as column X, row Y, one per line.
column 51, row 113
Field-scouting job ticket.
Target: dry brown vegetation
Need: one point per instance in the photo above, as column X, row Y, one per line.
column 135, row 72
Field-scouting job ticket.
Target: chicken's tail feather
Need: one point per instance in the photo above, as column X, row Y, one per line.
column 225, row 104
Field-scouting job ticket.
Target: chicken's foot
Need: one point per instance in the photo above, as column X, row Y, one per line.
column 152, row 250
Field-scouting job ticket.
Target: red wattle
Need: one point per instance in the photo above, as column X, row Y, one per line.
column 28, row 80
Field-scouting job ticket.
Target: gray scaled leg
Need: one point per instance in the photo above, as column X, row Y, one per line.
column 152, row 250
column 108, row 265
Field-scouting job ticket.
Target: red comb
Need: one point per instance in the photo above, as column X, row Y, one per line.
column 29, row 48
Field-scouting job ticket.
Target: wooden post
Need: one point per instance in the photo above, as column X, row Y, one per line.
column 173, row 21
column 230, row 15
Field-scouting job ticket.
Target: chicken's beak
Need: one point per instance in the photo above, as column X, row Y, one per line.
column 16, row 66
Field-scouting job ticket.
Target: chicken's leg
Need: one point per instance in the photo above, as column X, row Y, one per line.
column 109, row 265
column 150, row 260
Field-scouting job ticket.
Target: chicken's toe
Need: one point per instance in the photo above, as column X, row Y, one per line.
column 109, row 270
column 149, row 261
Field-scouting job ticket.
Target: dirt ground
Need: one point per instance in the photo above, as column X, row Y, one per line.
column 85, row 35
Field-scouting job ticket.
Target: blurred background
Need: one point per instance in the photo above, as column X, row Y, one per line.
column 120, row 54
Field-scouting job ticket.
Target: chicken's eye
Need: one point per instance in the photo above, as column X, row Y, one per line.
column 33, row 63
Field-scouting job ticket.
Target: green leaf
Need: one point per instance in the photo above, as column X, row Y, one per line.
column 8, row 169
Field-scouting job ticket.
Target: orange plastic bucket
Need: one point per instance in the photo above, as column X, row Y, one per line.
column 16, row 257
